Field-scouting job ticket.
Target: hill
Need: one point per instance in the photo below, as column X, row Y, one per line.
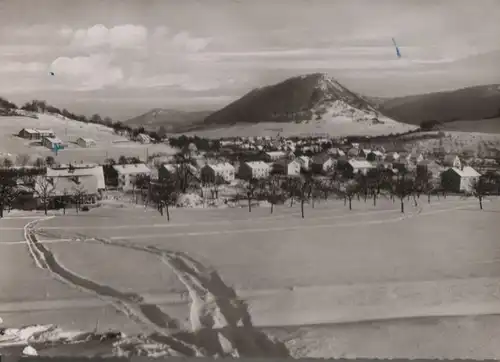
column 171, row 120
column 467, row 104
column 108, row 143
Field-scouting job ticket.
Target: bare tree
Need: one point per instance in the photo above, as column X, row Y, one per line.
column 479, row 189
column 164, row 193
column 40, row 162
column 8, row 188
column 274, row 189
column 44, row 188
column 349, row 190
column 403, row 187
column 250, row 187
column 7, row 162
column 79, row 196
column 50, row 161
column 22, row 159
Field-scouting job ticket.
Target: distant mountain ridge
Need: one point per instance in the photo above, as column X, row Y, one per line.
column 295, row 99
column 172, row 120
column 471, row 103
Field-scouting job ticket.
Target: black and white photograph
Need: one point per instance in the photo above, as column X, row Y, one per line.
column 250, row 178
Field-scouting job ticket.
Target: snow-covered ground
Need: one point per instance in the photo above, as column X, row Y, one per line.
column 108, row 144
column 332, row 267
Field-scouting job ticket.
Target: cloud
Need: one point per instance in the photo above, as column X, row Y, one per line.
column 185, row 41
column 87, row 73
column 22, row 67
column 183, row 81
column 118, row 37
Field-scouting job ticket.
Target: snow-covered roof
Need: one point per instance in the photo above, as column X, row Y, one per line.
column 87, row 140
column 356, row 164
column 467, row 171
column 30, row 130
column 79, row 170
column 132, row 169
column 257, row 164
column 275, row 153
column 54, row 140
column 221, row 167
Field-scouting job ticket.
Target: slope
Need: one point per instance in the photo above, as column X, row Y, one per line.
column 307, row 104
column 471, row 103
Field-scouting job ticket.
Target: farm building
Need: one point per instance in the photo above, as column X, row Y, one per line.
column 36, row 134
column 322, row 163
column 127, row 174
column 459, row 179
column 224, row 170
column 52, row 142
column 254, row 170
column 286, row 167
column 85, row 142
column 79, row 170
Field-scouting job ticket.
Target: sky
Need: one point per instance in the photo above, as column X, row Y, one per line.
column 121, row 58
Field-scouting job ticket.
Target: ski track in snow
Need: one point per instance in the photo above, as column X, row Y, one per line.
column 220, row 320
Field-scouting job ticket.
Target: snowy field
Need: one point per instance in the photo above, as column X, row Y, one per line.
column 108, row 144
column 335, row 266
column 337, row 127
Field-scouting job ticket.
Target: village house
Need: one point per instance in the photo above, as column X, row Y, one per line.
column 52, row 143
column 85, row 142
column 452, row 161
column 210, row 172
column 322, row 163
column 354, row 152
column 459, row 179
column 336, row 153
column 168, row 170
column 127, row 174
column 354, row 167
column 79, row 170
column 416, row 158
column 373, row 156
column 305, row 162
column 36, row 134
column 143, row 138
column 254, row 170
column 63, row 190
column 274, row 155
column 428, row 168
column 391, row 157
column 287, row 167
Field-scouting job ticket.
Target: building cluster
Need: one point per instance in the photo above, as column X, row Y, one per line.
column 48, row 138
column 284, row 157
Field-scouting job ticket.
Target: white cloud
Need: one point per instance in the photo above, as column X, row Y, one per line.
column 185, row 41
column 22, row 67
column 87, row 73
column 118, row 37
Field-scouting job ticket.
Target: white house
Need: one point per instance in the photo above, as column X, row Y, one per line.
column 79, row 170
column 128, row 173
column 287, row 167
column 225, row 170
column 359, row 166
column 254, row 169
column 460, row 179
column 85, row 142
